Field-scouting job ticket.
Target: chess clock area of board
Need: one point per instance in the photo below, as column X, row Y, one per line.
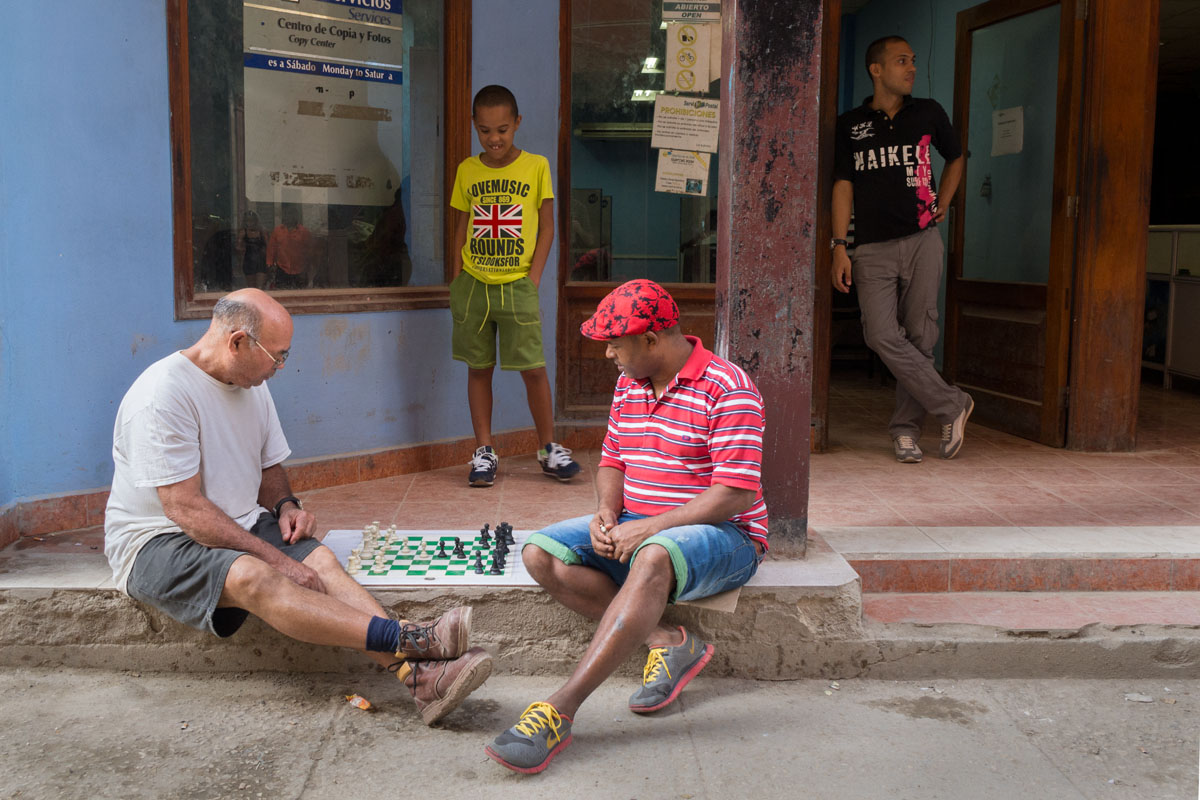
column 391, row 557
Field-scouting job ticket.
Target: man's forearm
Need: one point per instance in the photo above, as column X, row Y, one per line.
column 840, row 208
column 715, row 505
column 610, row 489
column 202, row 520
column 273, row 487
column 951, row 176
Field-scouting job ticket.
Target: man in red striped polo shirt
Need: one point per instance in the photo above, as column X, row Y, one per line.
column 680, row 515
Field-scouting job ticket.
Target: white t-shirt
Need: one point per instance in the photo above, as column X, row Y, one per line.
column 174, row 422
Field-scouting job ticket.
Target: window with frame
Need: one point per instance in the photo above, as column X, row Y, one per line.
column 312, row 153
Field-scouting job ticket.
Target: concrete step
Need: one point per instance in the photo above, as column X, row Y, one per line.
column 58, row 606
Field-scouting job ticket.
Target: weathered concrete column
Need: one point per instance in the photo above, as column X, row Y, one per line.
column 766, row 244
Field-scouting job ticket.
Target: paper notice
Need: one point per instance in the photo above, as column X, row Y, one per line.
column 682, row 172
column 685, row 123
column 1008, row 130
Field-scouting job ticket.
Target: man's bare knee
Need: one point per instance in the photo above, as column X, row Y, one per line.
column 538, row 563
column 322, row 561
column 248, row 581
column 652, row 570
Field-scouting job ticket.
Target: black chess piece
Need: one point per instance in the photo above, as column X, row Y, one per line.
column 484, row 539
column 479, row 563
column 441, row 553
column 496, row 568
column 458, row 551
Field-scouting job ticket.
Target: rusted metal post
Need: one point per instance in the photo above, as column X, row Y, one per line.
column 771, row 54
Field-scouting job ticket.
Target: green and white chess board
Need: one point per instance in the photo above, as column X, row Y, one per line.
column 389, row 557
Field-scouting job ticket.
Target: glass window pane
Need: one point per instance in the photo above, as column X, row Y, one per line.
column 316, row 149
column 1011, row 128
column 621, row 227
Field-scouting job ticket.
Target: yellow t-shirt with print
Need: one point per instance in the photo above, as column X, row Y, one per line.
column 502, row 207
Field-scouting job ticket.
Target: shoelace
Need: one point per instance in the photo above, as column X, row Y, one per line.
column 947, row 432
column 483, row 461
column 558, row 456
column 655, row 663
column 538, row 716
column 418, row 637
column 907, row 443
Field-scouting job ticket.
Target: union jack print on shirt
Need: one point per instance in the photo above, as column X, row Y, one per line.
column 496, row 221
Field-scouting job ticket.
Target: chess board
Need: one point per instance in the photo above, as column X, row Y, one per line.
column 412, row 560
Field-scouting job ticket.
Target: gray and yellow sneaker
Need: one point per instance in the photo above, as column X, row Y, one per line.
column 538, row 737
column 667, row 671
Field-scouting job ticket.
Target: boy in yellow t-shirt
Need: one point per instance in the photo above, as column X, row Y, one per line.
column 503, row 208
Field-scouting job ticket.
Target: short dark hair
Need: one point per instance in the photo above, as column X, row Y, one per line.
column 876, row 49
column 494, row 95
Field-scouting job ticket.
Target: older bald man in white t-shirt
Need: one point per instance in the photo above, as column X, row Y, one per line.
column 202, row 523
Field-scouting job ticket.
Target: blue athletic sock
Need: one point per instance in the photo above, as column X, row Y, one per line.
column 383, row 635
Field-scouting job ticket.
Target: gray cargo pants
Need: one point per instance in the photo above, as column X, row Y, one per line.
column 897, row 283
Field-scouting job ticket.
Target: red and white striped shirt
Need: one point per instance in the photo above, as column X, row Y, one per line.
column 706, row 428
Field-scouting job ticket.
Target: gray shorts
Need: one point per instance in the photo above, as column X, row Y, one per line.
column 184, row 579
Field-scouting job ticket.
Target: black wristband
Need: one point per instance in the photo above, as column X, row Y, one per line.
column 835, row 242
column 289, row 499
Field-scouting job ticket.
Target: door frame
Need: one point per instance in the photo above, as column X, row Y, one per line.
column 1056, row 296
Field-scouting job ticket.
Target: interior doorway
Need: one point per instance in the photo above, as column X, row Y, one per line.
column 1174, row 202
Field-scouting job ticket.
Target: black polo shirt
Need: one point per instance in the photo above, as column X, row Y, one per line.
column 888, row 161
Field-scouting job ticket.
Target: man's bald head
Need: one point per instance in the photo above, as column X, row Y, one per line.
column 247, row 310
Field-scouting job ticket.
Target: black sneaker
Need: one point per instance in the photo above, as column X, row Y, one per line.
column 483, row 467
column 556, row 462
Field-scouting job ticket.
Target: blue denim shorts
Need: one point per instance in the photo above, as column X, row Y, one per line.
column 708, row 559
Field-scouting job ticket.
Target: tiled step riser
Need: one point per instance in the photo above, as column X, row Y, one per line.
column 1027, row 574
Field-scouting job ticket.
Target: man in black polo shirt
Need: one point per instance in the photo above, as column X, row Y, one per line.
column 882, row 169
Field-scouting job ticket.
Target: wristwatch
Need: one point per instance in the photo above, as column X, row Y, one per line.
column 289, row 499
column 835, row 242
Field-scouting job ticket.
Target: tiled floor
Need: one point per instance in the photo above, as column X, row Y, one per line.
column 1012, row 533
column 1002, row 481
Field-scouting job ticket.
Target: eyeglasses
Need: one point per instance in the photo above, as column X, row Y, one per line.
column 282, row 357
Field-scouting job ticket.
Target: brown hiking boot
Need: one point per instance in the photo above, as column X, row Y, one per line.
column 448, row 636
column 439, row 686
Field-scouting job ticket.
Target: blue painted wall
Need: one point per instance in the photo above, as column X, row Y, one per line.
column 86, row 282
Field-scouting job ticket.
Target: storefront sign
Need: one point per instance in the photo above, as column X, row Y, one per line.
column 685, row 123
column 678, row 11
column 682, row 172
column 324, row 92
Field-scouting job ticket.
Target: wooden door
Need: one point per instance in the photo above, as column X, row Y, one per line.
column 1008, row 295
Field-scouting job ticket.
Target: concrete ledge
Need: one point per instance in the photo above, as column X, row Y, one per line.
column 786, row 609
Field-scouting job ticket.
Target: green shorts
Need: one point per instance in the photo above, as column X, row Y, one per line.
column 482, row 311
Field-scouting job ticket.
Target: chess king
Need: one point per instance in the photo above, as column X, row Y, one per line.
column 680, row 516
column 202, row 524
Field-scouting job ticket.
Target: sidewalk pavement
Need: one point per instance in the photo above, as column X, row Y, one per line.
column 87, row 734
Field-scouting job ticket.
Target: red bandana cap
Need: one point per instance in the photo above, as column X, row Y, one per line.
column 632, row 308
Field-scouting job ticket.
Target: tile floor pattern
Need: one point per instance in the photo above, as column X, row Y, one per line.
column 998, row 480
